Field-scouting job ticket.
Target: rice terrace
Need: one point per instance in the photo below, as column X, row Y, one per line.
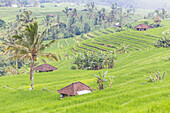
column 88, row 56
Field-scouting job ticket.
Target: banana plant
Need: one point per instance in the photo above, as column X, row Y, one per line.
column 110, row 79
column 101, row 77
column 156, row 77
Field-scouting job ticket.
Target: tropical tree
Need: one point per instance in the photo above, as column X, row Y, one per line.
column 2, row 23
column 101, row 77
column 74, row 12
column 47, row 22
column 66, row 11
column 164, row 13
column 30, row 46
column 26, row 17
column 164, row 41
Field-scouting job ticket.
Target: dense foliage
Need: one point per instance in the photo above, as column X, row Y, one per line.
column 2, row 23
column 163, row 42
column 95, row 61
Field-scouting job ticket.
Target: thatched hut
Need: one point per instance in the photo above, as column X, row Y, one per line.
column 142, row 27
column 77, row 88
column 45, row 68
column 118, row 25
column 52, row 15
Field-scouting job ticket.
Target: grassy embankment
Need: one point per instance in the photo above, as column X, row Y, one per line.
column 128, row 94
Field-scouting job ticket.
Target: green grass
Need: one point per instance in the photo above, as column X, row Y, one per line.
column 128, row 93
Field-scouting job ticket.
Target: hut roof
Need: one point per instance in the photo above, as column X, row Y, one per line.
column 45, row 68
column 52, row 15
column 74, row 88
column 142, row 26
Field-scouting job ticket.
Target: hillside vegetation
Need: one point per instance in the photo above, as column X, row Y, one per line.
column 130, row 92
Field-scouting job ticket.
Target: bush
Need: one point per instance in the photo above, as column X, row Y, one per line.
column 163, row 42
column 156, row 77
column 94, row 61
column 74, row 67
column 2, row 23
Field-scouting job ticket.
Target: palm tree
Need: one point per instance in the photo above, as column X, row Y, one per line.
column 103, row 11
column 99, row 13
column 81, row 20
column 101, row 77
column 90, row 15
column 12, row 54
column 74, row 12
column 30, row 46
column 164, row 14
column 26, row 17
column 66, row 11
column 47, row 22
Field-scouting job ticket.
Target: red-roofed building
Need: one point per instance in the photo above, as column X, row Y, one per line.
column 77, row 88
column 142, row 27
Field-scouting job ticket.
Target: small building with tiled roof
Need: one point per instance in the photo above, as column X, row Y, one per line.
column 52, row 15
column 77, row 88
column 142, row 27
column 118, row 25
column 45, row 68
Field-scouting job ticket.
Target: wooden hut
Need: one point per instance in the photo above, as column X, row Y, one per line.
column 84, row 10
column 52, row 15
column 77, row 88
column 142, row 27
column 45, row 68
column 118, row 25
column 70, row 9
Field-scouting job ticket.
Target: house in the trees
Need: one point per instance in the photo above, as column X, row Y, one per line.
column 52, row 15
column 77, row 88
column 70, row 9
column 142, row 27
column 14, row 5
column 118, row 25
column 45, row 68
column 84, row 10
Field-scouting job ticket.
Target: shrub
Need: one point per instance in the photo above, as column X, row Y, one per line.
column 156, row 77
column 163, row 42
column 74, row 67
column 94, row 61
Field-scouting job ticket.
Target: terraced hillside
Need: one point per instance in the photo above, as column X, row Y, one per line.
column 108, row 41
column 105, row 40
column 130, row 92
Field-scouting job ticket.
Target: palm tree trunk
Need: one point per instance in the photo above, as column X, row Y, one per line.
column 32, row 75
column 16, row 65
column 16, row 62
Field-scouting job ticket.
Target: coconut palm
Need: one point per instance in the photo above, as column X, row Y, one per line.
column 164, row 13
column 30, row 46
column 47, row 22
column 12, row 54
column 26, row 17
column 66, row 11
column 101, row 77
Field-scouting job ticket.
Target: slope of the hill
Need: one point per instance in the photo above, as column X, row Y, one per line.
column 130, row 92
column 105, row 40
